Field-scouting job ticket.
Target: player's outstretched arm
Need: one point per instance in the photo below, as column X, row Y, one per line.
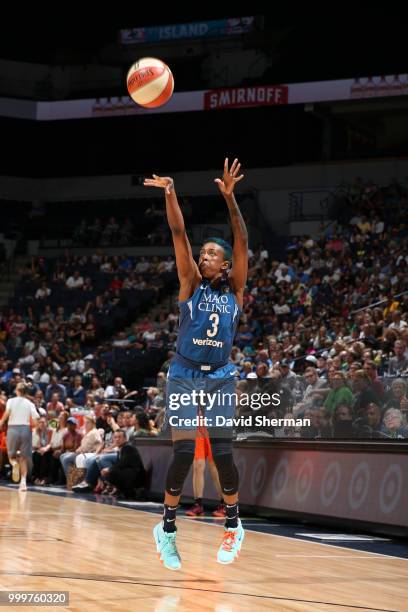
column 239, row 271
column 187, row 269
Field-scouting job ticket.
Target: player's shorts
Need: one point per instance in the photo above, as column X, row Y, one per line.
column 19, row 438
column 197, row 398
column 203, row 445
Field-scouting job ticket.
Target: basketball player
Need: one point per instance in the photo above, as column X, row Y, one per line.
column 210, row 302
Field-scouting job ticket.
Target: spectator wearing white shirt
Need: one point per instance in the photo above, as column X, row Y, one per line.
column 43, row 292
column 121, row 340
column 19, row 413
column 282, row 275
column 77, row 365
column 75, row 282
column 117, row 390
column 40, row 376
column 142, row 266
column 87, row 449
column 378, row 225
column 397, row 323
column 263, row 255
column 26, row 358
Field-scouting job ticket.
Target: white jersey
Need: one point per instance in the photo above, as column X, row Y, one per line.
column 21, row 410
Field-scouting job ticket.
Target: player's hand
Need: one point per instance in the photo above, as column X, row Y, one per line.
column 229, row 178
column 165, row 182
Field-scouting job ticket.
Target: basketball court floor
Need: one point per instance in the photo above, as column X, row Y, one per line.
column 104, row 555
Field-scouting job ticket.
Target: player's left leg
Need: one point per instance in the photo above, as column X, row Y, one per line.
column 229, row 480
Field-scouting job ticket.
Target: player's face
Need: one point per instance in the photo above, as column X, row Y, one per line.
column 211, row 260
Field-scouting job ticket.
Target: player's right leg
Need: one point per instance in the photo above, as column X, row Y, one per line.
column 164, row 533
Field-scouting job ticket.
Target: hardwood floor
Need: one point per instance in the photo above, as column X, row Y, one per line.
column 105, row 557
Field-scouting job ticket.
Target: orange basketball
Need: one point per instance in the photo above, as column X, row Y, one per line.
column 150, row 82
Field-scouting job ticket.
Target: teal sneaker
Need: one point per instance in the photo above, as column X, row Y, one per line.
column 231, row 544
column 166, row 547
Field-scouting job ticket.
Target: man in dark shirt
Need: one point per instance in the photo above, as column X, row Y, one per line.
column 128, row 473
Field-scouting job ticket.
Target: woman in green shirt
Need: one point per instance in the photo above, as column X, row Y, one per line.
column 339, row 394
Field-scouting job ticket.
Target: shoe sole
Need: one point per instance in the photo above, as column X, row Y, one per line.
column 15, row 473
column 173, row 569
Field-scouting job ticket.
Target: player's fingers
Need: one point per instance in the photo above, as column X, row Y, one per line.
column 236, row 170
column 239, row 178
column 233, row 166
column 226, row 165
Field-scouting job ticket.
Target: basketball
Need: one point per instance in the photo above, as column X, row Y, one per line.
column 150, row 82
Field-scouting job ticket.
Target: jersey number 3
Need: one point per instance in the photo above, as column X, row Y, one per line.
column 215, row 318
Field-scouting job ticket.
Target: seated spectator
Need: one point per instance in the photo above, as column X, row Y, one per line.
column 313, row 395
column 339, row 394
column 56, row 445
column 143, row 427
column 363, row 393
column 86, row 449
column 368, row 425
column 376, row 385
column 105, row 456
column 128, row 473
column 342, row 422
column 75, row 281
column 43, row 292
column 41, row 452
column 116, row 283
column 39, row 402
column 117, row 390
column 397, row 396
column 31, row 387
column 55, row 387
column 394, row 424
column 54, row 406
column 77, row 392
column 71, row 441
column 397, row 324
column 398, row 364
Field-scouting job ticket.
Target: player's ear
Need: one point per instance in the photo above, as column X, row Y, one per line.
column 225, row 265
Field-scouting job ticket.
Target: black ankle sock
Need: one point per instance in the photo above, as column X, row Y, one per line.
column 199, row 501
column 169, row 518
column 232, row 516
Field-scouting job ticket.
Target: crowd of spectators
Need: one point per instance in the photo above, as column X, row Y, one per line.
column 335, row 311
column 325, row 327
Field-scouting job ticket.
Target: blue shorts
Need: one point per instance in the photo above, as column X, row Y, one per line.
column 195, row 398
